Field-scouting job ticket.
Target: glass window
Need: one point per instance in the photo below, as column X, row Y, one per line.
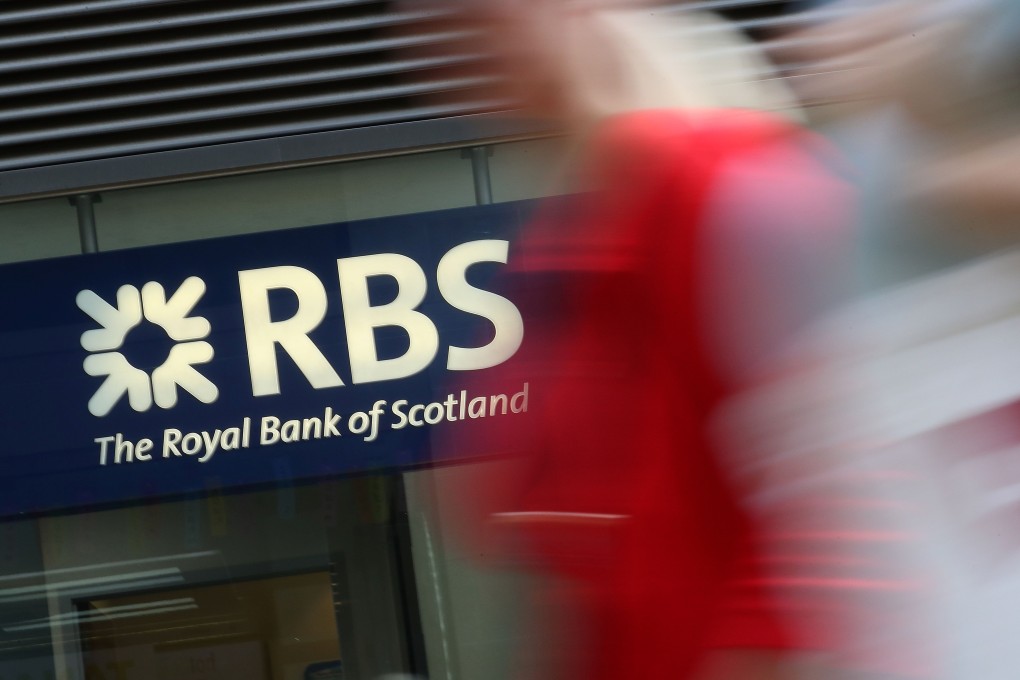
column 33, row 230
column 289, row 583
column 529, row 169
column 282, row 199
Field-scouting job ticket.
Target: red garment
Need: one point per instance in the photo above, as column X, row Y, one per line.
column 622, row 492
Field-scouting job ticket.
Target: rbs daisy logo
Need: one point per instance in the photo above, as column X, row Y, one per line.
column 173, row 315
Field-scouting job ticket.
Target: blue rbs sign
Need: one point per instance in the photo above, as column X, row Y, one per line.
column 249, row 360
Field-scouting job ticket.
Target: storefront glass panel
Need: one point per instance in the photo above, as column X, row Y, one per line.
column 281, row 584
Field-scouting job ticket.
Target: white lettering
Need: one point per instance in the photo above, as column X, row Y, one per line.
column 262, row 334
column 361, row 318
column 291, row 431
column 123, row 450
column 476, row 407
column 191, row 444
column 494, row 401
column 401, row 418
column 436, row 410
column 103, row 441
column 519, row 402
column 171, row 438
column 231, row 439
column 376, row 413
column 504, row 315
column 270, row 431
column 332, row 422
column 358, row 422
column 311, row 427
column 414, row 419
column 212, row 442
column 142, row 449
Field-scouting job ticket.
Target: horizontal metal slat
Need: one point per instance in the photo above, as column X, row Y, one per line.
column 209, row 65
column 276, row 104
column 796, row 42
column 68, row 11
column 181, row 20
column 716, row 5
column 796, row 20
column 220, row 40
column 234, row 86
column 251, row 133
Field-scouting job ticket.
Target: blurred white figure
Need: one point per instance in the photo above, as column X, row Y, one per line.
column 618, row 60
column 898, row 426
column 887, row 440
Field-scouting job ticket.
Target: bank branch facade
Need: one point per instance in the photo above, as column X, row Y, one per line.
column 222, row 422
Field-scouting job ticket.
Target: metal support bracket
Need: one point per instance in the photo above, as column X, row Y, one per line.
column 479, row 156
column 84, row 203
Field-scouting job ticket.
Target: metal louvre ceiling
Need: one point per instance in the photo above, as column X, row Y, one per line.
column 87, row 80
column 106, row 93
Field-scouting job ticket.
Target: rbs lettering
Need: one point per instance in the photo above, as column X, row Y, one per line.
column 361, row 318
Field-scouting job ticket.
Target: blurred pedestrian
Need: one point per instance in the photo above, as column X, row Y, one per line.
column 707, row 230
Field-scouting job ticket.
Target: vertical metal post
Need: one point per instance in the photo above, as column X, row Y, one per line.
column 479, row 156
column 84, row 203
